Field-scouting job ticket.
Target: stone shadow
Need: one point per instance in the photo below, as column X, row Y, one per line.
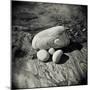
column 63, row 59
column 73, row 46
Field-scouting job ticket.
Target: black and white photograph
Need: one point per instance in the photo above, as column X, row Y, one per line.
column 49, row 45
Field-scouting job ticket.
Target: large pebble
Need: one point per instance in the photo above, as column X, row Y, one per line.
column 57, row 56
column 43, row 55
column 51, row 51
column 55, row 37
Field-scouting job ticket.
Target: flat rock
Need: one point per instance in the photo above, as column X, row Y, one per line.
column 29, row 73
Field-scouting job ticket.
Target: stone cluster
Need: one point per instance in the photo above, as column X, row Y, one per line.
column 51, row 39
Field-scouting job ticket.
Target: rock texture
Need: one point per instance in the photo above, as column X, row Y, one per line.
column 72, row 70
column 29, row 18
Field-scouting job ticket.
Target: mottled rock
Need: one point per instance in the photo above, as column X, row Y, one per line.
column 34, row 73
column 43, row 55
column 51, row 51
column 55, row 37
column 21, row 44
column 57, row 56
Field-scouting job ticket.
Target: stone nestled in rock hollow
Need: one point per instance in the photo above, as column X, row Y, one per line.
column 51, row 51
column 43, row 55
column 57, row 56
column 55, row 37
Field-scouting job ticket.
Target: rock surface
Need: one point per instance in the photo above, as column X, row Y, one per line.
column 28, row 73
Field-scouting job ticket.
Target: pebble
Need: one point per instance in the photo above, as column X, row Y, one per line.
column 57, row 56
column 43, row 55
column 55, row 37
column 51, row 51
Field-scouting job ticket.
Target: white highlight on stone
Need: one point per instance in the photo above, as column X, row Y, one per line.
column 57, row 41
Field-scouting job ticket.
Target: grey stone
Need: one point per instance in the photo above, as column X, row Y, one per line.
column 55, row 37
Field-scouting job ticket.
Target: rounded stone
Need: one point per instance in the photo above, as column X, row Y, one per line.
column 51, row 51
column 43, row 55
column 55, row 37
column 57, row 56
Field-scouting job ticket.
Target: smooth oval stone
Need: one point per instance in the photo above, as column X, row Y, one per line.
column 43, row 55
column 57, row 56
column 55, row 37
column 51, row 51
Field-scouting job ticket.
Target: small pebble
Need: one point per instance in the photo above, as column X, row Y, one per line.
column 57, row 56
column 84, row 29
column 43, row 55
column 51, row 51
